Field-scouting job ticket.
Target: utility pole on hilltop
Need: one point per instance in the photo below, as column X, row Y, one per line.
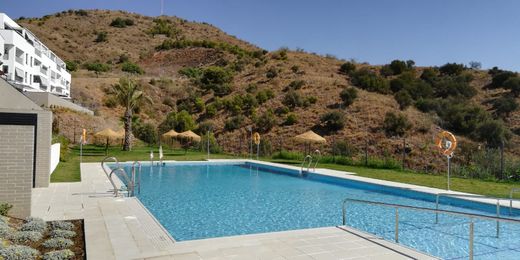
column 162, row 7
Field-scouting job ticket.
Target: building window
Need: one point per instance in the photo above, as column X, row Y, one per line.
column 26, row 60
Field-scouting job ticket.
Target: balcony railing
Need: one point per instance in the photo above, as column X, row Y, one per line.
column 6, row 56
column 19, row 60
column 43, row 71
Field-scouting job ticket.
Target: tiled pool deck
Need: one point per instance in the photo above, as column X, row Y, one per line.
column 121, row 228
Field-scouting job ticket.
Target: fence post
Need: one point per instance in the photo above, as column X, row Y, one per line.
column 404, row 153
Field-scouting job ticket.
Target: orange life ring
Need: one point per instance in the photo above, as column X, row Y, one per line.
column 256, row 138
column 445, row 135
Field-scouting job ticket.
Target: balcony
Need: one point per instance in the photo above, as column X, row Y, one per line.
column 6, row 56
column 19, row 60
column 43, row 71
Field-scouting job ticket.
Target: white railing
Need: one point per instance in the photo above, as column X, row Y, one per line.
column 55, row 156
column 19, row 60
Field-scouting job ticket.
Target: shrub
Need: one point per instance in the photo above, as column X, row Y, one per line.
column 163, row 26
column 403, row 98
column 347, row 68
column 286, row 155
column 234, row 123
column 58, row 243
column 35, row 224
column 513, row 84
column 64, row 254
column 62, row 233
column 475, row 65
column 101, row 37
column 282, row 110
column 5, row 230
column 500, row 77
column 429, row 75
column 97, row 67
column 264, row 95
column 191, row 72
column 291, row 119
column 493, row 133
column 369, row 81
column 452, row 69
column 343, row 148
column 396, row 125
column 271, row 73
column 266, row 121
column 63, row 225
column 295, row 68
column 4, row 208
column 81, row 12
column 216, row 79
column 280, row 54
column 181, row 121
column 454, row 87
column 146, row 133
column 348, row 96
column 310, row 100
column 213, row 144
column 505, row 105
column 462, row 117
column 206, row 126
column 121, row 23
column 25, row 236
column 333, row 120
column 398, row 66
column 17, row 252
column 211, row 110
column 292, row 99
column 71, row 65
column 296, row 84
column 131, row 68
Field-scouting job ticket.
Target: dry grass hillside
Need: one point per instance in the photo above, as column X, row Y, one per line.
column 72, row 35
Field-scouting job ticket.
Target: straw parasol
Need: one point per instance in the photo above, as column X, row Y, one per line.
column 190, row 135
column 310, row 137
column 108, row 134
column 170, row 135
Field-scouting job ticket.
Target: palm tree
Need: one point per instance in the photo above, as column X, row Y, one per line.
column 128, row 94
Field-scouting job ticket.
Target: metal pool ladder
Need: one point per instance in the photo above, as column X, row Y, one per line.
column 448, row 212
column 308, row 165
column 130, row 181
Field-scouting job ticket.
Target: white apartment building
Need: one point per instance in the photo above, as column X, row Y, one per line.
column 28, row 64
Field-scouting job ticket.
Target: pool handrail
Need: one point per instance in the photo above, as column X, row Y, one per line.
column 511, row 193
column 138, row 182
column 318, row 157
column 471, row 216
column 308, row 165
column 108, row 174
column 130, row 184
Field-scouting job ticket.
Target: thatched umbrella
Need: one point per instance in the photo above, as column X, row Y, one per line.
column 170, row 134
column 310, row 137
column 108, row 134
column 121, row 134
column 191, row 136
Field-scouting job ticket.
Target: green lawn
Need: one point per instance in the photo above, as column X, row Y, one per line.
column 69, row 170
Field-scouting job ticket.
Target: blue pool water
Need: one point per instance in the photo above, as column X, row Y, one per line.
column 196, row 201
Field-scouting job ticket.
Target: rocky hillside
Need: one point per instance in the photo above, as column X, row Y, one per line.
column 230, row 84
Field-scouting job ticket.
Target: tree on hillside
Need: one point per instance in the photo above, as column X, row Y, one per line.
column 348, row 96
column 504, row 106
column 513, row 84
column 128, row 94
column 396, row 124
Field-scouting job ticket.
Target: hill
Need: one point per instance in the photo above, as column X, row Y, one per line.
column 229, row 84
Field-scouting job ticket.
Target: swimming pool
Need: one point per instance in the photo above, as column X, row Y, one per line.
column 204, row 200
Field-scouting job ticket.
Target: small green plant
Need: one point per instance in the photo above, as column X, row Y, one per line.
column 34, row 224
column 72, row 65
column 266, row 121
column 101, row 37
column 122, row 22
column 234, row 123
column 97, row 67
column 64, row 254
column 58, row 243
column 348, row 96
column 5, row 230
column 271, row 73
column 286, row 155
column 333, row 121
column 63, row 225
column 4, row 208
column 164, row 27
column 347, row 68
column 17, row 252
column 62, row 233
column 403, row 98
column 396, row 124
column 131, row 67
column 291, row 119
column 25, row 236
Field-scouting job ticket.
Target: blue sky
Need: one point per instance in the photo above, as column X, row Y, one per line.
column 430, row 32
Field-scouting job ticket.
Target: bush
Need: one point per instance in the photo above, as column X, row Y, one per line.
column 505, row 105
column 180, row 122
column 333, row 121
column 97, row 67
column 101, row 37
column 264, row 95
column 5, row 230
column 64, row 254
column 452, row 69
column 513, row 84
column 396, row 125
column 404, row 99
column 286, row 155
column 81, row 12
column 146, row 133
column 271, row 73
column 121, row 23
column 131, row 68
column 191, row 72
column 398, row 66
column 343, row 148
column 348, row 96
column 493, row 133
column 62, row 233
column 63, row 225
column 369, row 81
column 163, row 26
column 213, row 145
column 4, row 208
column 71, row 65
column 291, row 119
column 499, row 78
column 462, row 117
column 454, row 87
column 266, row 121
column 35, row 224
column 234, row 123
column 211, row 110
column 26, row 236
column 292, row 99
column 296, row 84
column 58, row 243
column 17, row 252
column 347, row 68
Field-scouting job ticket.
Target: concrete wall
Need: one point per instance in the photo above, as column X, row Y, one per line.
column 43, row 149
column 45, row 99
column 55, row 156
column 16, row 167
